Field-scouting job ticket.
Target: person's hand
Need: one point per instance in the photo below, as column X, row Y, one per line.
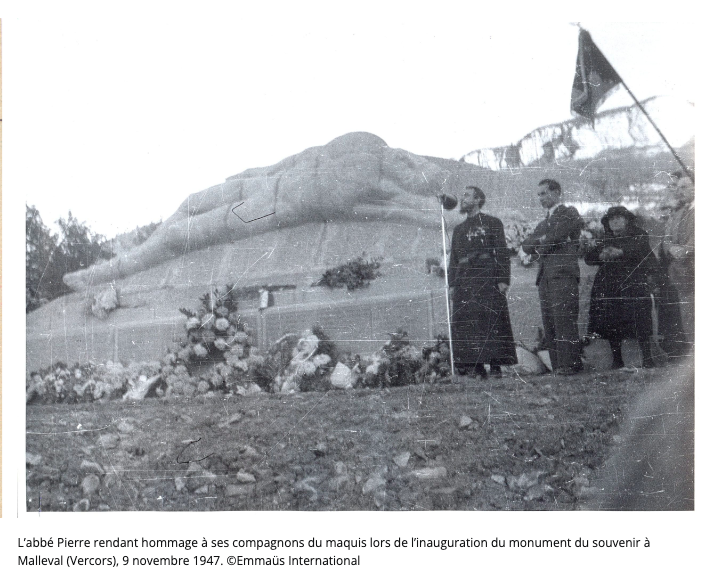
column 503, row 287
column 678, row 252
column 653, row 285
column 587, row 242
column 610, row 253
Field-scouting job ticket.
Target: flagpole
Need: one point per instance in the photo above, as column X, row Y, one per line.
column 447, row 287
column 673, row 152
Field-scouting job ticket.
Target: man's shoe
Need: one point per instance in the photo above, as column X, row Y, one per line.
column 479, row 371
column 648, row 364
column 495, row 371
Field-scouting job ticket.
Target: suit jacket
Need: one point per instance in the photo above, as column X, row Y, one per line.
column 680, row 231
column 555, row 241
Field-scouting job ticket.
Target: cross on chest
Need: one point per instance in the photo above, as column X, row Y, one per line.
column 478, row 232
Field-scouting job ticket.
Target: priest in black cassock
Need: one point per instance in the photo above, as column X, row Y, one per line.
column 479, row 276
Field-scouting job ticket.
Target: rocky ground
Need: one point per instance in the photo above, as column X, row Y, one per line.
column 504, row 444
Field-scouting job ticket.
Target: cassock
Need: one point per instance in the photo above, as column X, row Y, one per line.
column 479, row 260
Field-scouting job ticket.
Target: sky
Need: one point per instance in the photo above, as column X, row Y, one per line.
column 119, row 114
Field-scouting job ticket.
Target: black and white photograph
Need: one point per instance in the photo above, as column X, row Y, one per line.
column 313, row 259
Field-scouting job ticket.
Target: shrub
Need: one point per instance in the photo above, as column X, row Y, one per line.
column 310, row 362
column 436, row 359
column 86, row 383
column 218, row 340
column 395, row 364
column 355, row 274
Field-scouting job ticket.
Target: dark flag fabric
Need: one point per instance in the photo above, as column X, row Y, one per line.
column 594, row 79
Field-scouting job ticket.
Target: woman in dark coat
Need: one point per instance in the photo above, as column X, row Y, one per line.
column 479, row 275
column 620, row 302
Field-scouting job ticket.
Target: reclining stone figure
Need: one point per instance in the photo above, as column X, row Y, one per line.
column 354, row 177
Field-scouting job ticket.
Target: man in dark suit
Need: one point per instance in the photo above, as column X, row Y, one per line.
column 555, row 242
column 677, row 255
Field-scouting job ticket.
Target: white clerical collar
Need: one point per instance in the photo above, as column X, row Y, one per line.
column 552, row 209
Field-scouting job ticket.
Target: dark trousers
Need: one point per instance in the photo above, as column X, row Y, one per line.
column 683, row 279
column 560, row 305
column 675, row 342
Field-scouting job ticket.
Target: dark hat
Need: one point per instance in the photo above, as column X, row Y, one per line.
column 615, row 211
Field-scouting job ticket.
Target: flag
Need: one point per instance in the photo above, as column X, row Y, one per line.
column 594, row 79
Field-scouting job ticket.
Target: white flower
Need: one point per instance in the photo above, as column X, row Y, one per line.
column 80, row 389
column 200, row 351
column 307, row 344
column 185, row 354
column 181, row 371
column 221, row 324
column 377, row 361
column 237, row 351
column 203, row 387
column 77, row 373
column 320, row 360
column 410, row 352
column 240, row 337
column 307, row 368
column 256, row 360
column 193, row 323
column 220, row 344
column 224, row 370
column 101, row 389
column 252, row 389
column 290, row 385
column 240, row 365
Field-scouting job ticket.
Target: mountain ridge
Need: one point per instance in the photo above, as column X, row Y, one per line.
column 578, row 139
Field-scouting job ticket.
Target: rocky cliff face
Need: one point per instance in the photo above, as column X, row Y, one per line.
column 623, row 129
